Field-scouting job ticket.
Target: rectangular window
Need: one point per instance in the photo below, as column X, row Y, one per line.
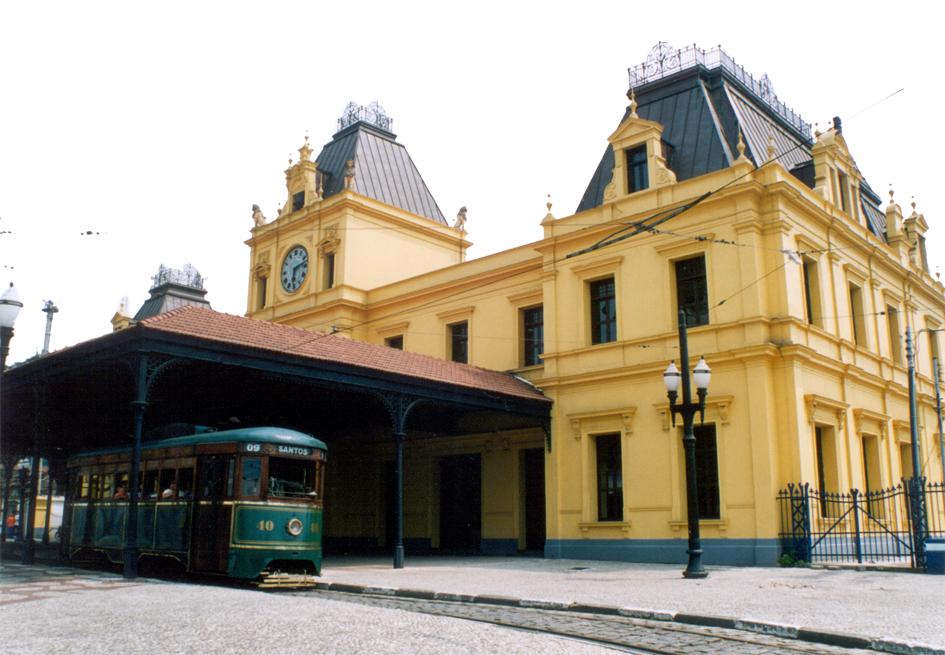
column 603, row 311
column 261, row 293
column 534, row 335
column 934, row 359
column 692, row 295
column 329, row 276
column 637, row 174
column 872, row 481
column 459, row 343
column 707, row 472
column 609, row 478
column 252, row 471
column 826, row 455
column 812, row 293
column 895, row 340
column 905, row 460
column 856, row 315
column 397, row 343
column 298, row 201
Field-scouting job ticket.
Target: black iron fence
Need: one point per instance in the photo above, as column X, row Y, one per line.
column 885, row 526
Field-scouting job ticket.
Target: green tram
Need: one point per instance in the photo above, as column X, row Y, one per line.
column 236, row 502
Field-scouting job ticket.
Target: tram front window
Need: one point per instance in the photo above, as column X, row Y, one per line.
column 252, row 469
column 292, row 478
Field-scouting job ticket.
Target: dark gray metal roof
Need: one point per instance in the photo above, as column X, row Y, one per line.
column 385, row 170
column 701, row 111
column 170, row 296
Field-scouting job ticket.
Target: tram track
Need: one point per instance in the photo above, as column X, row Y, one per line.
column 616, row 632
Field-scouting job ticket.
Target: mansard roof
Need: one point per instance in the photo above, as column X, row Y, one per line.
column 702, row 100
column 385, row 170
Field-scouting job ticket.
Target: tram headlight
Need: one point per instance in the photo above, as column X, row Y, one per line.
column 294, row 527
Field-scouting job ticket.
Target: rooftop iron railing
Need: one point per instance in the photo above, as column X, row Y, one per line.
column 665, row 60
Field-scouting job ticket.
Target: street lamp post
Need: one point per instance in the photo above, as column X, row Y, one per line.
column 10, row 307
column 687, row 410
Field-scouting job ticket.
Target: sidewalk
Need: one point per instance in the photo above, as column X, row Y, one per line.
column 891, row 611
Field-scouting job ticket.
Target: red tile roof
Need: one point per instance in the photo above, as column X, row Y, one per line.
column 207, row 324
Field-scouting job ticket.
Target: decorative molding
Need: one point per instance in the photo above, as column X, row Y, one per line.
column 864, row 419
column 716, row 411
column 454, row 315
column 623, row 525
column 825, row 410
column 597, row 266
column 535, row 296
column 603, row 421
column 902, row 431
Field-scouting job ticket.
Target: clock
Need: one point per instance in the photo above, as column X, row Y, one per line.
column 294, row 269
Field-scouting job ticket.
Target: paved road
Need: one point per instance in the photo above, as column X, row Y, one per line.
column 73, row 612
column 633, row 633
column 64, row 610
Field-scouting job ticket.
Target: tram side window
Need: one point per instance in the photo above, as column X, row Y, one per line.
column 168, row 484
column 185, row 483
column 252, row 469
column 292, row 478
column 95, row 486
column 108, row 486
column 217, row 477
column 149, row 491
column 81, row 489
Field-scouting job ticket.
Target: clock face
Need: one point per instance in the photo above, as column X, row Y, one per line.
column 294, row 269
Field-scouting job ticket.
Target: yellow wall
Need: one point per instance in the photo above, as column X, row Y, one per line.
column 776, row 376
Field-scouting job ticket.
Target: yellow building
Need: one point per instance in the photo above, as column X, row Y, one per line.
column 713, row 198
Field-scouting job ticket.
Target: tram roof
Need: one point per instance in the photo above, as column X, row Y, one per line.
column 274, row 435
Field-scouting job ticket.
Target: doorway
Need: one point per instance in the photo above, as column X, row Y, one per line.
column 461, row 503
column 533, row 497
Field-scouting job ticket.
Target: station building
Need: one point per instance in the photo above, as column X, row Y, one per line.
column 712, row 197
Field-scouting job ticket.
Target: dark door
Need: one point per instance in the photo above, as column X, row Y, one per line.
column 533, row 479
column 211, row 525
column 461, row 503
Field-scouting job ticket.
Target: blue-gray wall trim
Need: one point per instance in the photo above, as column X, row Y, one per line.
column 720, row 552
column 502, row 547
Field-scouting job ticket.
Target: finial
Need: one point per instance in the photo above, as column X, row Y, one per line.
column 891, row 193
column 938, row 276
column 913, row 205
column 741, row 144
column 548, row 204
column 290, row 160
column 816, row 130
column 633, row 104
column 305, row 152
column 771, row 148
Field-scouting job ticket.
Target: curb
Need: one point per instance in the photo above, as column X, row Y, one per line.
column 784, row 631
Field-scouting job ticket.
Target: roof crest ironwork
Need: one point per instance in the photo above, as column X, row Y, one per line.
column 664, row 60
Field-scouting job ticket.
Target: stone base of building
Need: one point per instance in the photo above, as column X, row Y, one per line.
column 718, row 552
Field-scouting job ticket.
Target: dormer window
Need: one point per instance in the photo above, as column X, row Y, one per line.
column 638, row 177
column 298, row 201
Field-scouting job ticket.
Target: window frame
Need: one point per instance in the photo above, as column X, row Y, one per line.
column 609, row 488
column 533, row 347
column 597, row 300
column 459, row 342
column 638, row 173
column 702, row 305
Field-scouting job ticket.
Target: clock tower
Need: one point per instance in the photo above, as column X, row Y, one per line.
column 356, row 218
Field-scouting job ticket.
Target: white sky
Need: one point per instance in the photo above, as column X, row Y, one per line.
column 160, row 126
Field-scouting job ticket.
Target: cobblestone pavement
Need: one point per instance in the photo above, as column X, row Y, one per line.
column 633, row 633
column 66, row 611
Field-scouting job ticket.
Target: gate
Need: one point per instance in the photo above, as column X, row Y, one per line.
column 888, row 525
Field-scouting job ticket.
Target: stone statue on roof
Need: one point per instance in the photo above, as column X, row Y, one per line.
column 258, row 218
column 350, row 173
column 460, row 219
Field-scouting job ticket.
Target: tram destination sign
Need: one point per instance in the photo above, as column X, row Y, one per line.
column 277, row 449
